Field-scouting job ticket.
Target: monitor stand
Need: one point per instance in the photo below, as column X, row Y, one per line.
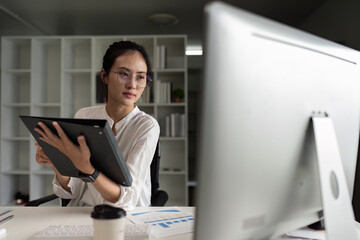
column 338, row 213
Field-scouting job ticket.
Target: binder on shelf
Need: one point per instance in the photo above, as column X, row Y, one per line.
column 105, row 153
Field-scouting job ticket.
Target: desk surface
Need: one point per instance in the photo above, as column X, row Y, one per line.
column 29, row 220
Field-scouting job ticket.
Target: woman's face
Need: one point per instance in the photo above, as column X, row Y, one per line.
column 132, row 64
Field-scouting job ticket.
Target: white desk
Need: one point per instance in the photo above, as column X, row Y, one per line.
column 29, row 220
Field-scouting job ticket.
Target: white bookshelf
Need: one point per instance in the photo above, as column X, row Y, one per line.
column 54, row 77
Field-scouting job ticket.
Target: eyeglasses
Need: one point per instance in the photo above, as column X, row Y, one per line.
column 142, row 80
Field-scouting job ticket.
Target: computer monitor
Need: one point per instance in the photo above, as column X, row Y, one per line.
column 268, row 90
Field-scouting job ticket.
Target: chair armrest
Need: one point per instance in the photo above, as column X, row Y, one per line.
column 37, row 202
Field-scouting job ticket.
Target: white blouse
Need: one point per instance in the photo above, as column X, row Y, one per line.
column 137, row 135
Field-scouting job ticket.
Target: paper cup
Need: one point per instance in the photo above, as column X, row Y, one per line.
column 109, row 222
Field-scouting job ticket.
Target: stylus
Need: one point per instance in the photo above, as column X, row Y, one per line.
column 4, row 212
column 6, row 219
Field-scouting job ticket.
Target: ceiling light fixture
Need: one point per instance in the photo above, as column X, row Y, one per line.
column 163, row 19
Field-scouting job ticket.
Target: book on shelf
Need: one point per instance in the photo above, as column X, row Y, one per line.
column 160, row 57
column 163, row 90
column 146, row 96
column 167, row 126
column 174, row 125
column 182, row 125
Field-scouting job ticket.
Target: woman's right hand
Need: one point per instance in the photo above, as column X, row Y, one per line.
column 42, row 158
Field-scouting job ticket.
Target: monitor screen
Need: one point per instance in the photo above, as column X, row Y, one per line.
column 263, row 81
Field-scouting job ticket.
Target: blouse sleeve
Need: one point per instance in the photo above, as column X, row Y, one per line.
column 138, row 162
column 74, row 185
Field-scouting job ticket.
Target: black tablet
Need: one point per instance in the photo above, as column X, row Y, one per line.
column 105, row 153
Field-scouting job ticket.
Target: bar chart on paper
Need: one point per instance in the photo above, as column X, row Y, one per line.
column 165, row 222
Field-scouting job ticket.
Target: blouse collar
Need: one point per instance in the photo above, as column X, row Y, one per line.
column 124, row 120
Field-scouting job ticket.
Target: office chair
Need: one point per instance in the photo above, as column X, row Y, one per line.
column 158, row 197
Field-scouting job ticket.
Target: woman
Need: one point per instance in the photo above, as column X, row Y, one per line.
column 125, row 71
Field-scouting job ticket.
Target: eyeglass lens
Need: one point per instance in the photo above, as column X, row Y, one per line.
column 142, row 80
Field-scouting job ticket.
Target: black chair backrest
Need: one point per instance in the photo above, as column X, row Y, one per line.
column 158, row 197
column 154, row 170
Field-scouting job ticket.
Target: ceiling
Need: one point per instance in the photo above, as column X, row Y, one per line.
column 124, row 17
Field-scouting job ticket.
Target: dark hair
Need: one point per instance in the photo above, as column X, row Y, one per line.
column 119, row 48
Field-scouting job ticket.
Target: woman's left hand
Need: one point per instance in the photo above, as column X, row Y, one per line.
column 78, row 154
